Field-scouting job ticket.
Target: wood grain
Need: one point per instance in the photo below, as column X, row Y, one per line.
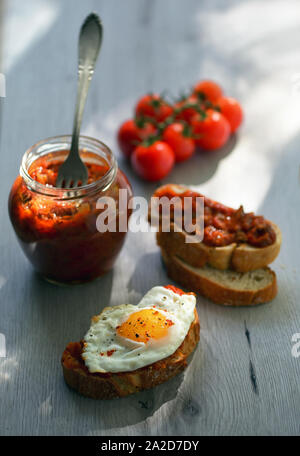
column 242, row 379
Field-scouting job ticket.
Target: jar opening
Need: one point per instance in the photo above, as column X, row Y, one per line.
column 56, row 148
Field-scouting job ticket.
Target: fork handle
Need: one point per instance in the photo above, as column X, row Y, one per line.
column 90, row 40
column 84, row 79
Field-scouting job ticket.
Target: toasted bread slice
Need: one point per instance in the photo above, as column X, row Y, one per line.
column 111, row 385
column 223, row 287
column 241, row 258
column 196, row 254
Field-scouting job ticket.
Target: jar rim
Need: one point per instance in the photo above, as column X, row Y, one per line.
column 69, row 193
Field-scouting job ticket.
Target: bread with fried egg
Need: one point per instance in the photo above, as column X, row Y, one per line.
column 95, row 369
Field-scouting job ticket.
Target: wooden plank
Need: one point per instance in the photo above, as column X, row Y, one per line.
column 230, row 387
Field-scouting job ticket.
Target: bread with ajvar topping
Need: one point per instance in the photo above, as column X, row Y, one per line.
column 228, row 287
column 121, row 384
column 241, row 257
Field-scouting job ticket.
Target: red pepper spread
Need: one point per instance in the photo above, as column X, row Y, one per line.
column 177, row 290
column 59, row 235
column 45, row 172
column 224, row 225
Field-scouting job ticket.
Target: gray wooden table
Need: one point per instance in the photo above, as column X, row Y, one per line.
column 252, row 48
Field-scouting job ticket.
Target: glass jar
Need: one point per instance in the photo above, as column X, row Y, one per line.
column 57, row 228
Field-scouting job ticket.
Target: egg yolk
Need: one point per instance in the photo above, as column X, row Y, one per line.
column 144, row 325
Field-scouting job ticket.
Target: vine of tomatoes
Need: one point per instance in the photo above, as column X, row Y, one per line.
column 163, row 133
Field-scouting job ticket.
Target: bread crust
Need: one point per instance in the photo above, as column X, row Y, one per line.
column 112, row 385
column 213, row 290
column 196, row 254
column 241, row 258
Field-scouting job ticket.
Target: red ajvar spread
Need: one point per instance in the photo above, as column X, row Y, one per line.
column 59, row 236
column 222, row 224
column 46, row 172
column 177, row 290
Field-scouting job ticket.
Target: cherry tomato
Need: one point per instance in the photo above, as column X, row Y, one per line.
column 154, row 106
column 188, row 113
column 231, row 109
column 209, row 89
column 131, row 133
column 212, row 132
column 178, row 137
column 153, row 162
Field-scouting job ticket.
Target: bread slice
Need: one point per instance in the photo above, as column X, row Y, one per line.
column 228, row 287
column 196, row 254
column 241, row 258
column 111, row 385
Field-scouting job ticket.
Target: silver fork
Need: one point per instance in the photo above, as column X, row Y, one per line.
column 73, row 170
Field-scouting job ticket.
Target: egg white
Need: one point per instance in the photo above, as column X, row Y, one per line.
column 129, row 355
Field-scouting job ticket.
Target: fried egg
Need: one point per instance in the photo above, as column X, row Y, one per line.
column 128, row 337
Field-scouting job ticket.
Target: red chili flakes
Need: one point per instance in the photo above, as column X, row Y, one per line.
column 108, row 353
column 169, row 322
